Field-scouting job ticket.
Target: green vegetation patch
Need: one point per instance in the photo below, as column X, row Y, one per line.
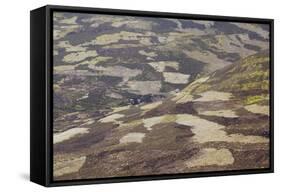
column 255, row 99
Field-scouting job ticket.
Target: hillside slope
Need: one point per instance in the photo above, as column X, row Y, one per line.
column 102, row 61
column 218, row 122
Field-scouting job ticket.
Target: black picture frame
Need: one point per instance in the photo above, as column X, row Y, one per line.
column 41, row 92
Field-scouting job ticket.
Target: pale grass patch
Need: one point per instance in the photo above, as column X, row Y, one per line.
column 253, row 27
column 118, row 109
column 219, row 113
column 64, row 68
column 116, row 71
column 134, row 24
column 115, row 38
column 148, row 54
column 69, row 21
column 112, row 118
column 182, row 97
column 214, row 96
column 208, row 131
column 161, row 65
column 96, row 60
column 195, row 84
column 149, row 122
column 62, row 31
column 79, row 56
column 151, row 106
column 176, row 78
column 258, row 109
column 68, row 166
column 211, row 156
column 131, row 124
column 70, row 48
column 132, row 137
column 144, row 87
column 88, row 122
column 68, row 134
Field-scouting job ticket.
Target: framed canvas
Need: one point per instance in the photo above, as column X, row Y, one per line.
column 119, row 95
